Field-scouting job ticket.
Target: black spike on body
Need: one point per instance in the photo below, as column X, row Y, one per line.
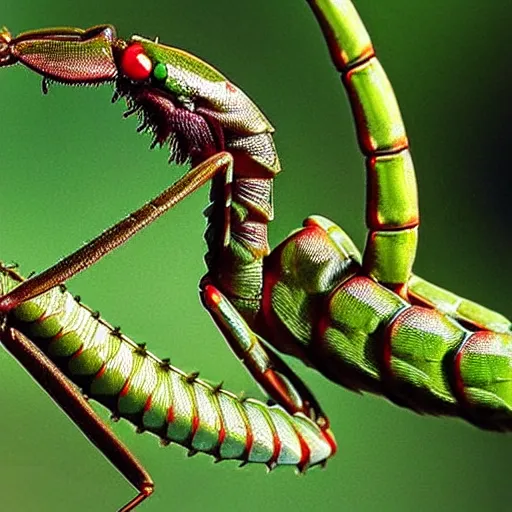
column 218, row 388
column 191, row 377
column 141, row 349
column 271, row 466
column 165, row 364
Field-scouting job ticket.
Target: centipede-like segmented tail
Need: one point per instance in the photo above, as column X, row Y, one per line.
column 156, row 396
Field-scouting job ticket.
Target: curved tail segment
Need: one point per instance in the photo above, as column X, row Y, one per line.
column 392, row 214
column 158, row 397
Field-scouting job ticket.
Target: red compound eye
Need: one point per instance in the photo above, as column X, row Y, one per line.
column 135, row 64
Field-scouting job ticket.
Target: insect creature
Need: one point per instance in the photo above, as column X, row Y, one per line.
column 300, row 294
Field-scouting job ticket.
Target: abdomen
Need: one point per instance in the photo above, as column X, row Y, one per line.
column 365, row 337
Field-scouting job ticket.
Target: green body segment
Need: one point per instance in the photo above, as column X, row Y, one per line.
column 379, row 124
column 365, row 337
column 347, row 38
column 156, row 396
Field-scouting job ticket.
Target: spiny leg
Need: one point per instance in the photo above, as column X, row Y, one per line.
column 269, row 370
column 119, row 233
column 392, row 214
column 74, row 404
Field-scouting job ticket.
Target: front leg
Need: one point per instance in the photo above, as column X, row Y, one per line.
column 117, row 234
column 269, row 370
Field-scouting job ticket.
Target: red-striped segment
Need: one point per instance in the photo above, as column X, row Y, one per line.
column 166, row 401
column 392, row 222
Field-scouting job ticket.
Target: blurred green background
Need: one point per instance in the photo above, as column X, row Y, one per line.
column 71, row 167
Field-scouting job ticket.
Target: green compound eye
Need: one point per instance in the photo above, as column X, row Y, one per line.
column 160, row 71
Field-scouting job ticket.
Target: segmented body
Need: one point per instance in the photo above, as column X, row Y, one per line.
column 366, row 337
column 154, row 395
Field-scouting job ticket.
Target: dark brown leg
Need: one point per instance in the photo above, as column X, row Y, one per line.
column 74, row 404
column 117, row 234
